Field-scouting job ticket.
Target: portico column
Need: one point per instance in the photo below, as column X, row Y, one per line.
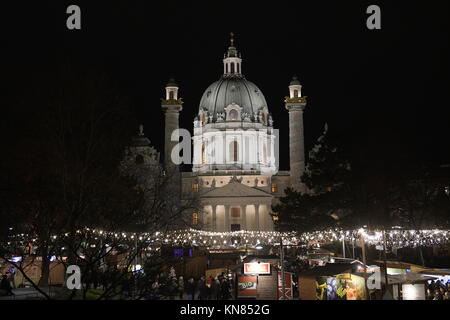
column 244, row 217
column 227, row 218
column 214, row 218
column 257, row 216
column 201, row 217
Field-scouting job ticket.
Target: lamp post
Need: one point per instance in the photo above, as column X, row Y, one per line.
column 385, row 263
column 283, row 284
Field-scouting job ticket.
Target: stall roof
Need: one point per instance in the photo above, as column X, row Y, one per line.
column 330, row 269
column 261, row 257
column 401, row 265
column 437, row 272
column 406, row 278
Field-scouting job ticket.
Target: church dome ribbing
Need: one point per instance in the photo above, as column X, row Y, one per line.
column 232, row 89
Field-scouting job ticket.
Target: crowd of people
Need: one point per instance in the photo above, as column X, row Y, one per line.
column 438, row 290
column 7, row 282
column 173, row 288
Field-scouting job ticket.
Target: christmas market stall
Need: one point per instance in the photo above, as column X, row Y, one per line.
column 334, row 281
column 259, row 277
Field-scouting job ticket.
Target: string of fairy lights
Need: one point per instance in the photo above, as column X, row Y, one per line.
column 396, row 238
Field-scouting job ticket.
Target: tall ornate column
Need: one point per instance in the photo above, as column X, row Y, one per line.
column 295, row 104
column 227, row 218
column 244, row 217
column 202, row 217
column 171, row 105
column 214, row 218
column 257, row 217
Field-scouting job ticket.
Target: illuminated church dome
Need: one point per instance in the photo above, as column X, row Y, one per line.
column 233, row 90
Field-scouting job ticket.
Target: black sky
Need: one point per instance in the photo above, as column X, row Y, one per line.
column 384, row 93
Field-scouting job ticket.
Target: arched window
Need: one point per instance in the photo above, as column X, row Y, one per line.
column 203, row 118
column 232, row 67
column 194, row 218
column 295, row 93
column 234, row 151
column 203, row 154
column 171, row 97
column 233, row 115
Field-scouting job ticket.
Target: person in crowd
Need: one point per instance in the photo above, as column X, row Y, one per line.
column 154, row 290
column 197, row 287
column 181, row 287
column 173, row 288
column 215, row 289
column 12, row 274
column 224, row 289
column 190, row 289
column 203, row 289
column 437, row 295
column 430, row 295
column 447, row 296
column 6, row 285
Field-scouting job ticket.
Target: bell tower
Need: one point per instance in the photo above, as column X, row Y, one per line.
column 171, row 105
column 295, row 104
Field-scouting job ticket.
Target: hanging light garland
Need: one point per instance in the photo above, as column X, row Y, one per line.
column 248, row 239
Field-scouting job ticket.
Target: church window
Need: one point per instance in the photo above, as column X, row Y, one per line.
column 274, row 187
column 194, row 218
column 195, row 187
column 232, row 67
column 235, row 212
column 139, row 159
column 295, row 93
column 234, row 151
column 171, row 96
column 233, row 114
column 203, row 118
column 226, row 68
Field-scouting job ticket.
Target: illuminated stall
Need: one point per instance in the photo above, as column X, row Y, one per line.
column 259, row 277
column 336, row 281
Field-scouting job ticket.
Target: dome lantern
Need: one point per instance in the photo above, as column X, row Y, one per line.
column 171, row 90
column 295, row 88
column 232, row 61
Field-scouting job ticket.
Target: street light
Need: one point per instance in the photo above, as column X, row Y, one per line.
column 283, row 284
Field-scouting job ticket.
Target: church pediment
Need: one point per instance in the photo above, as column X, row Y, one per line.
column 235, row 189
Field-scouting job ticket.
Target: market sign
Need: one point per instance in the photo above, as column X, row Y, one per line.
column 256, row 268
column 247, row 286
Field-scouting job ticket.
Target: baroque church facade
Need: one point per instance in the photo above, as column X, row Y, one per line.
column 235, row 167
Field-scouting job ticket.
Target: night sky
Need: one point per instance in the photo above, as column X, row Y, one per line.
column 383, row 93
